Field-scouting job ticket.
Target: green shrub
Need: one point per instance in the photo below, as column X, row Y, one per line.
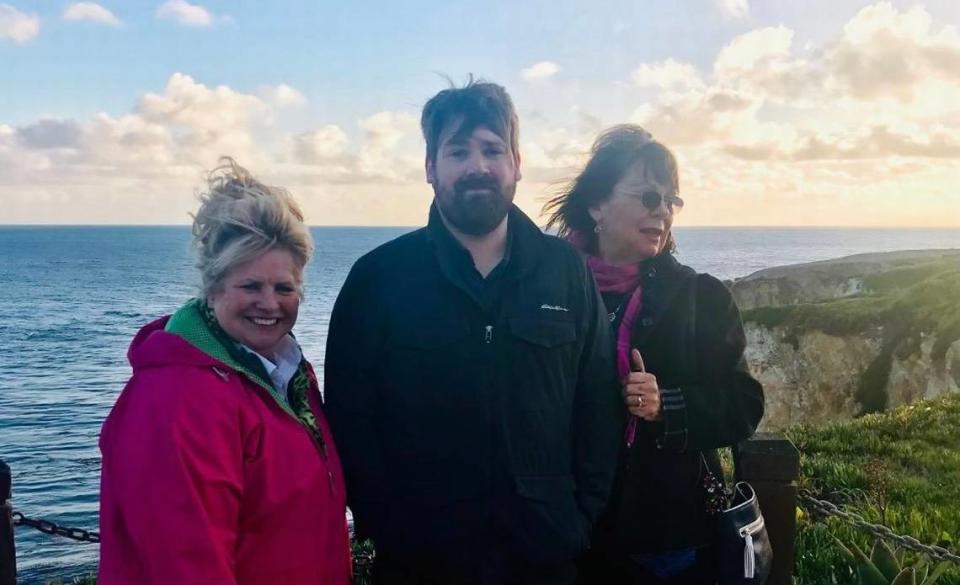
column 900, row 469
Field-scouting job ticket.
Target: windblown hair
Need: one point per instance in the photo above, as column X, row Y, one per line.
column 241, row 219
column 478, row 103
column 613, row 153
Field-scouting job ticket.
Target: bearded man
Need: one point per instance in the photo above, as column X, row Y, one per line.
column 469, row 377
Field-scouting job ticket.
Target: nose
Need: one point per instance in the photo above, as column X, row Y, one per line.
column 662, row 210
column 477, row 164
column 268, row 300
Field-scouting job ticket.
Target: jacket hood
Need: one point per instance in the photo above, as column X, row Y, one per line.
column 154, row 347
column 183, row 339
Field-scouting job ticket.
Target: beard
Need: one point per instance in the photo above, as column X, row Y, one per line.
column 475, row 214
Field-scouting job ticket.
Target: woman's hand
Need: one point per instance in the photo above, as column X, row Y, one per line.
column 641, row 394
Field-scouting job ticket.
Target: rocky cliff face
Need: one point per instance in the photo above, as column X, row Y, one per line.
column 814, row 377
column 836, row 339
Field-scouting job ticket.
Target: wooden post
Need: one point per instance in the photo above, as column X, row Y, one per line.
column 771, row 463
column 8, row 556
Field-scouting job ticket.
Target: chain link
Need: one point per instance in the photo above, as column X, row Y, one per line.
column 821, row 507
column 48, row 527
column 826, row 508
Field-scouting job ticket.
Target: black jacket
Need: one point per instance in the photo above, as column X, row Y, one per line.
column 691, row 338
column 466, row 423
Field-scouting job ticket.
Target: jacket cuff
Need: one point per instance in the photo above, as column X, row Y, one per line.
column 674, row 420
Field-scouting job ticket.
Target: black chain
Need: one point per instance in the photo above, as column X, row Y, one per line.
column 825, row 508
column 48, row 527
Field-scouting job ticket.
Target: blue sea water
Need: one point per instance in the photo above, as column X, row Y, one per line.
column 72, row 298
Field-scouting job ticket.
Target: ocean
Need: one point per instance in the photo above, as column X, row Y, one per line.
column 73, row 297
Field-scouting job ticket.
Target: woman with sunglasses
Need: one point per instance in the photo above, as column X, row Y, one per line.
column 680, row 342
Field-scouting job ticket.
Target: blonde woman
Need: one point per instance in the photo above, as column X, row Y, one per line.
column 218, row 466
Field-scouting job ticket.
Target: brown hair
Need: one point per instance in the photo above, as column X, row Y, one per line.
column 613, row 153
column 478, row 103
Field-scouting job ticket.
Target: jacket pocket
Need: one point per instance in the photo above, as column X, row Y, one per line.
column 550, row 528
column 543, row 359
column 543, row 332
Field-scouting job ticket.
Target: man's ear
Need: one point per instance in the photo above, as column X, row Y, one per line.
column 429, row 171
column 517, row 175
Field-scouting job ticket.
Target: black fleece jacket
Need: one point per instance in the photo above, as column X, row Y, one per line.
column 471, row 418
column 691, row 337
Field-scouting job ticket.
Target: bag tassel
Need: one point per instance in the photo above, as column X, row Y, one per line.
column 749, row 563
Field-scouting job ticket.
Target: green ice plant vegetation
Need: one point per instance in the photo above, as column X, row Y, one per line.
column 899, row 468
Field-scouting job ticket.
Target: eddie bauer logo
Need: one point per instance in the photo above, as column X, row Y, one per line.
column 554, row 308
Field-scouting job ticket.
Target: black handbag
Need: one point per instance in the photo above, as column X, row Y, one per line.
column 744, row 556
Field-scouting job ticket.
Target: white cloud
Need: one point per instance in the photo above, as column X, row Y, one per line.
column 49, row 133
column 208, row 121
column 669, row 74
column 748, row 50
column 380, row 157
column 283, row 96
column 778, row 130
column 539, row 71
column 90, row 11
column 185, row 13
column 320, row 146
column 872, row 111
column 734, row 9
column 886, row 53
column 17, row 26
column 386, row 129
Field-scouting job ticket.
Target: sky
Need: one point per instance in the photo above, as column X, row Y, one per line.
column 813, row 113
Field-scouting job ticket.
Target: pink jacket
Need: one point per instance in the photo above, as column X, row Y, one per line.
column 206, row 479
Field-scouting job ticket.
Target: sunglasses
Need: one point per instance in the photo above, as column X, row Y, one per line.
column 652, row 200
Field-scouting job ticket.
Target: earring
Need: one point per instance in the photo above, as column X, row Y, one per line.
column 597, row 228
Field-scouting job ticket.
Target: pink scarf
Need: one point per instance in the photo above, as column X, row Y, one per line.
column 617, row 279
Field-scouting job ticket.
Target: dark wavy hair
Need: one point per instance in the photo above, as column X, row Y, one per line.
column 478, row 103
column 612, row 154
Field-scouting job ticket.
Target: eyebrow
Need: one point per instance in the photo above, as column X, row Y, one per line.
column 457, row 141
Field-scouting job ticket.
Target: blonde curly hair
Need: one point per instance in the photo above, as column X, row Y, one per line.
column 240, row 219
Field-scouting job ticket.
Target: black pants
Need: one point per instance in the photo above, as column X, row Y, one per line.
column 606, row 568
column 492, row 570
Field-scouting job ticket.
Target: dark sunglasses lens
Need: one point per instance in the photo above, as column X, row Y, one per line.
column 650, row 199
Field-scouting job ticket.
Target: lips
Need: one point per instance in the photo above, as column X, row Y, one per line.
column 653, row 232
column 476, row 185
column 264, row 321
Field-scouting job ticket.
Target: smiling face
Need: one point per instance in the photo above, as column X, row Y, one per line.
column 629, row 232
column 257, row 302
column 474, row 176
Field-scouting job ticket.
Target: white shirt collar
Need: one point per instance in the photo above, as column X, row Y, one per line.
column 287, row 356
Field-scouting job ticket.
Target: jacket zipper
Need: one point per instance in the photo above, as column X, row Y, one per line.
column 488, row 334
column 319, row 442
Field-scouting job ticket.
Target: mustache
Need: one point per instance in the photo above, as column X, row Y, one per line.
column 476, row 182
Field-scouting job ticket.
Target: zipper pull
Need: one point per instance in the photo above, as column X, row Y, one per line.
column 488, row 334
column 749, row 567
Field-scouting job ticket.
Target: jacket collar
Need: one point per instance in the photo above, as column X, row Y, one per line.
column 525, row 244
column 189, row 323
column 663, row 282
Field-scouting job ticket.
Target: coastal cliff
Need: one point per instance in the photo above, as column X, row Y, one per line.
column 836, row 339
